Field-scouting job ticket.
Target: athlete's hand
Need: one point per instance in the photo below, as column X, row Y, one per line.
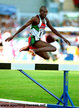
column 67, row 41
column 9, row 39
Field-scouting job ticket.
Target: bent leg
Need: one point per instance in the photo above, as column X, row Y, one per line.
column 45, row 49
column 44, row 55
column 43, row 46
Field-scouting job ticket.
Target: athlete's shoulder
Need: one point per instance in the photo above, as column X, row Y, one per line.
column 34, row 18
column 46, row 19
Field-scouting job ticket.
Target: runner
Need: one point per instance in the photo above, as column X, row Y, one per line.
column 35, row 44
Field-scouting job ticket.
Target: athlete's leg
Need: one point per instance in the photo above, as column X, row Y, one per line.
column 42, row 46
column 43, row 55
column 44, row 49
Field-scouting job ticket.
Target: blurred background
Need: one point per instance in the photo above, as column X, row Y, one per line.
column 63, row 15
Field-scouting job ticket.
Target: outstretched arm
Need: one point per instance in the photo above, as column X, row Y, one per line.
column 21, row 29
column 56, row 32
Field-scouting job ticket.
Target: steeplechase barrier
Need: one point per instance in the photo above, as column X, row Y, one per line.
column 60, row 67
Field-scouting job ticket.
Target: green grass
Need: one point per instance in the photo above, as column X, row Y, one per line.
column 14, row 85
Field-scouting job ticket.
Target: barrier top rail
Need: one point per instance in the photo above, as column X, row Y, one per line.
column 35, row 66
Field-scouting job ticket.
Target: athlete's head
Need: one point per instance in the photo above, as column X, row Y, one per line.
column 43, row 11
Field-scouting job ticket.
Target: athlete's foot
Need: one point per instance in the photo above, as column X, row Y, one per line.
column 23, row 49
column 32, row 52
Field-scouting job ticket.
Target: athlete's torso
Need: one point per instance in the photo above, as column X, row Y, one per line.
column 38, row 27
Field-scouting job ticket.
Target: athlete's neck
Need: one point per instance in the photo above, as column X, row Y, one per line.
column 41, row 17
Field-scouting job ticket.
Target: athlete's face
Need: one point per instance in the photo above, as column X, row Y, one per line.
column 43, row 12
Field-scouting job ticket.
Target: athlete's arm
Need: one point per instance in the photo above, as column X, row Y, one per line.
column 56, row 32
column 22, row 28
